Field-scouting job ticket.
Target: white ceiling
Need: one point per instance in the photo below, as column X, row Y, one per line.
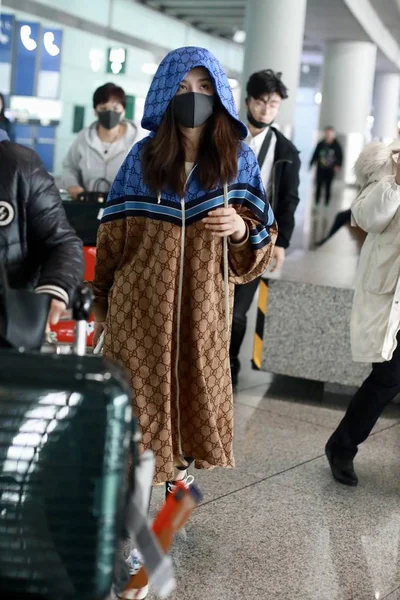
column 326, row 20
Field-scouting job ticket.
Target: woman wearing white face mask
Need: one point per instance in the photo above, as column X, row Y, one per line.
column 375, row 320
column 96, row 155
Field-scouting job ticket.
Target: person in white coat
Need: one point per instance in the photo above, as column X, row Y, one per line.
column 375, row 320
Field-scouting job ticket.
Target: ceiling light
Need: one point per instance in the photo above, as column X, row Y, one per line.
column 305, row 69
column 240, row 36
column 233, row 83
column 149, row 68
column 370, row 119
column 318, row 98
column 96, row 58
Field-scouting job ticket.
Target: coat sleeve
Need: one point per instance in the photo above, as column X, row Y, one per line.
column 314, row 157
column 51, row 236
column 71, row 171
column 339, row 155
column 250, row 259
column 288, row 200
column 374, row 209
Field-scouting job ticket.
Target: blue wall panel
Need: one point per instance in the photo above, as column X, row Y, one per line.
column 6, row 38
column 50, row 57
column 27, row 45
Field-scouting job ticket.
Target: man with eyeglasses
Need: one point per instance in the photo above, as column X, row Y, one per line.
column 280, row 167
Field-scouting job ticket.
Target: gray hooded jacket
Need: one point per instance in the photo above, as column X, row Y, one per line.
column 93, row 164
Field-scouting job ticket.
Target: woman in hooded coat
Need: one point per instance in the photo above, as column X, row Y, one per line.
column 375, row 319
column 186, row 220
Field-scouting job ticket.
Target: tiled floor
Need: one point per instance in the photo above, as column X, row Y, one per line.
column 278, row 527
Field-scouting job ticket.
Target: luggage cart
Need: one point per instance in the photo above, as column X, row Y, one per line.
column 72, row 485
column 84, row 215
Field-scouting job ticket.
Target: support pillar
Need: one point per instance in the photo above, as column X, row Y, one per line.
column 274, row 40
column 386, row 106
column 349, row 70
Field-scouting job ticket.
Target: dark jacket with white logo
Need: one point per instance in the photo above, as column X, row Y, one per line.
column 37, row 244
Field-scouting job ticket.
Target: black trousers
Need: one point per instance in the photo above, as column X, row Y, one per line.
column 244, row 295
column 343, row 218
column 377, row 391
column 324, row 182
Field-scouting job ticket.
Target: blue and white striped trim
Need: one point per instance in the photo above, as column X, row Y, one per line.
column 258, row 237
column 162, row 210
column 129, row 206
column 195, row 210
column 271, row 217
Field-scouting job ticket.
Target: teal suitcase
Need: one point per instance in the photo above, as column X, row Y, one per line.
column 66, row 432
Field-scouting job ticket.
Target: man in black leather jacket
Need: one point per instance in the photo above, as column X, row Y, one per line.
column 280, row 169
column 37, row 245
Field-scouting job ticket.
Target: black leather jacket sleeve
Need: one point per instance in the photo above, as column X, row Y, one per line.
column 51, row 236
column 288, row 200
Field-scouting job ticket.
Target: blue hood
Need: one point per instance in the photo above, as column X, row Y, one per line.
column 3, row 136
column 175, row 66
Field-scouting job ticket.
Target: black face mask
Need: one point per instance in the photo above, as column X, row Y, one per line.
column 192, row 110
column 109, row 118
column 256, row 124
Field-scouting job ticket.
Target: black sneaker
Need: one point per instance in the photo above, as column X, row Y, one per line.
column 235, row 369
column 342, row 468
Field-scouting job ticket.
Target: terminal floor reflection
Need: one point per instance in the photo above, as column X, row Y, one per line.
column 278, row 526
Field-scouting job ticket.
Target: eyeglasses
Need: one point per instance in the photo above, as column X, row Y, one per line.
column 260, row 103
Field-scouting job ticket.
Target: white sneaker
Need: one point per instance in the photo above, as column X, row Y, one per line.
column 135, row 594
column 135, row 562
column 140, row 594
column 188, row 480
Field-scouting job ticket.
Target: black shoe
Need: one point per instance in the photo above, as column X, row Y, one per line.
column 342, row 468
column 235, row 379
column 235, row 369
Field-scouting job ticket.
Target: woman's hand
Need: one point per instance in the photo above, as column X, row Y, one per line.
column 74, row 191
column 98, row 330
column 224, row 222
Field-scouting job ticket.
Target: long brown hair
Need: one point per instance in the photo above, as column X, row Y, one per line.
column 163, row 159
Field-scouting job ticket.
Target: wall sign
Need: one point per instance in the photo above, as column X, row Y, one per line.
column 116, row 61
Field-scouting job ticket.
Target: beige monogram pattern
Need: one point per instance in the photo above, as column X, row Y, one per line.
column 136, row 290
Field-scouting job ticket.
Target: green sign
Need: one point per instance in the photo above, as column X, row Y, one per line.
column 130, row 108
column 79, row 118
column 116, row 61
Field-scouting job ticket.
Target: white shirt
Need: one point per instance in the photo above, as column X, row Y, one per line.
column 255, row 144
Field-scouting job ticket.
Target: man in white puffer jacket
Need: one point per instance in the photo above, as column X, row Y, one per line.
column 375, row 319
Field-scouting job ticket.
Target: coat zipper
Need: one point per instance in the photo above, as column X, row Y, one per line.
column 179, row 320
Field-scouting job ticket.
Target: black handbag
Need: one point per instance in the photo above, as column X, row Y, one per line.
column 23, row 316
column 96, row 196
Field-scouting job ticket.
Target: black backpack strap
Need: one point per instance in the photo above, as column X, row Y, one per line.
column 264, row 148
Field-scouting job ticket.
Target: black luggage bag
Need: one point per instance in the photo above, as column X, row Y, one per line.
column 66, row 432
